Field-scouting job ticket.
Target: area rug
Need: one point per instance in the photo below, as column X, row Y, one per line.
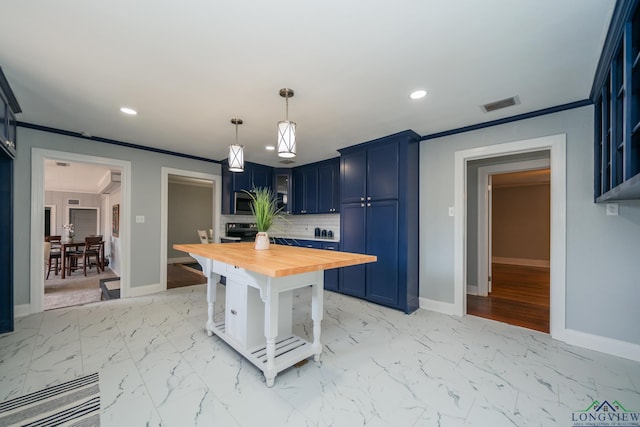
column 75, row 403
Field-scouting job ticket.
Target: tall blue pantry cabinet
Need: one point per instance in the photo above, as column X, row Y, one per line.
column 379, row 210
column 8, row 108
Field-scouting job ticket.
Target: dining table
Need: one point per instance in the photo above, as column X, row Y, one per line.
column 65, row 245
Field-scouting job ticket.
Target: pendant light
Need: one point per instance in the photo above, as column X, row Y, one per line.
column 236, row 151
column 286, row 130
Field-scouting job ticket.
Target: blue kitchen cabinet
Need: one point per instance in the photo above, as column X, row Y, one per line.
column 380, row 216
column 305, row 190
column 329, row 186
column 8, row 108
column 353, row 176
column 254, row 175
column 353, row 238
column 332, row 276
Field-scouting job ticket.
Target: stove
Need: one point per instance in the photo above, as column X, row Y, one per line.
column 245, row 231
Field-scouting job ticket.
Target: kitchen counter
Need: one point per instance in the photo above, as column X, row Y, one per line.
column 299, row 237
column 259, row 298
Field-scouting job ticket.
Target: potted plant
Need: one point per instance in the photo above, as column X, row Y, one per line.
column 264, row 208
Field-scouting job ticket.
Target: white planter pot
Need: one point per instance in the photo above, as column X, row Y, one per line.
column 262, row 241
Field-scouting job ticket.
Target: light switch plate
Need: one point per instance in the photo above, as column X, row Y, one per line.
column 452, row 211
column 612, row 209
column 140, row 219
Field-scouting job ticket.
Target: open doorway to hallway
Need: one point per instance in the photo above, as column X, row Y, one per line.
column 517, row 221
column 78, row 200
column 191, row 205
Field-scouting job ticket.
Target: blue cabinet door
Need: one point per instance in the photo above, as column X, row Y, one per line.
column 331, row 277
column 382, row 241
column 353, row 239
column 298, row 191
column 311, row 190
column 382, row 172
column 353, row 173
column 243, row 180
column 329, row 186
column 262, row 176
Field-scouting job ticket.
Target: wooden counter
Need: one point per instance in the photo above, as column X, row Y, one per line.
column 279, row 260
column 259, row 301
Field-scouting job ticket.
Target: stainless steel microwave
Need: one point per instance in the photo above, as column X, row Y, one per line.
column 242, row 203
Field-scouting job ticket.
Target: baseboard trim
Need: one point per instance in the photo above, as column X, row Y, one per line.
column 140, row 291
column 182, row 260
column 437, row 306
column 472, row 289
column 21, row 310
column 602, row 344
column 521, row 261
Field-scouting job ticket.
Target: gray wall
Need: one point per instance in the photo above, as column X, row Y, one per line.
column 145, row 190
column 603, row 272
column 190, row 208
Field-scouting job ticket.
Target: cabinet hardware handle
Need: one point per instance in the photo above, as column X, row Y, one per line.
column 369, row 198
column 362, row 205
column 368, row 204
column 234, row 312
column 362, row 199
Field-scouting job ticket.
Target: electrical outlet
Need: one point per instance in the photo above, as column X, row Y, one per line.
column 140, row 219
column 452, row 211
column 612, row 209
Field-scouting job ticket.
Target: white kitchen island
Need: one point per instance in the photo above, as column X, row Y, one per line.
column 259, row 302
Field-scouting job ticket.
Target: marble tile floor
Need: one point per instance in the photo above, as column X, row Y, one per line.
column 379, row 367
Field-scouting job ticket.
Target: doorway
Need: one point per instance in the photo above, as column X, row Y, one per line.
column 556, row 145
column 186, row 228
column 516, row 233
column 38, row 265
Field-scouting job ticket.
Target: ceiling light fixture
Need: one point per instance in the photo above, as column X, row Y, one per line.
column 286, row 130
column 236, row 151
column 418, row 94
column 129, row 111
column 270, row 148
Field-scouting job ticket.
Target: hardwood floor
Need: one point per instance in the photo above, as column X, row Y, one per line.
column 520, row 296
column 179, row 275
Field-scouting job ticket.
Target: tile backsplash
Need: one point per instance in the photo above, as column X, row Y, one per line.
column 293, row 225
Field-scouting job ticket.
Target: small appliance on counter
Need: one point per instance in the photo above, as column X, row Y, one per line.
column 324, row 233
column 330, row 234
column 316, row 232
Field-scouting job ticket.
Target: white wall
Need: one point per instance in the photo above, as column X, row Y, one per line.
column 146, row 167
column 59, row 200
column 603, row 272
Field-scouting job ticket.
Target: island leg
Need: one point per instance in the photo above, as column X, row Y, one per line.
column 317, row 309
column 270, row 333
column 212, row 284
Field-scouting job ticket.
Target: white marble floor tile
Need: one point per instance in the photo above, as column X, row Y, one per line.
column 379, row 367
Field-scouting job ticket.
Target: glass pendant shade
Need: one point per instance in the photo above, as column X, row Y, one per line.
column 286, row 139
column 236, row 158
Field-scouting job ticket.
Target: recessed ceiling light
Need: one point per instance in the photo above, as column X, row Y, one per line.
column 129, row 111
column 270, row 147
column 418, row 94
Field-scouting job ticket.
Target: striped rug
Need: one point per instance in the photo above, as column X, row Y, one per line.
column 75, row 403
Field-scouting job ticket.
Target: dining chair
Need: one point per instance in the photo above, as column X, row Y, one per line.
column 202, row 235
column 92, row 248
column 54, row 253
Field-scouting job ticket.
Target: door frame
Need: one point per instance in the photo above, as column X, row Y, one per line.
column 38, row 157
column 484, row 218
column 556, row 144
column 164, row 211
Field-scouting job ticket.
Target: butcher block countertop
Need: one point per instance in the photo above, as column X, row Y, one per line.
column 278, row 260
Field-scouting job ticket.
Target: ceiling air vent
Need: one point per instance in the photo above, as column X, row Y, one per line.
column 503, row 103
column 73, row 202
column 63, row 164
column 286, row 161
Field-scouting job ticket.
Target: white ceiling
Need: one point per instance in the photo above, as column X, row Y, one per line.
column 76, row 177
column 188, row 67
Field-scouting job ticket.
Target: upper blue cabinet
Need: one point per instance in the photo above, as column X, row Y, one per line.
column 316, row 187
column 329, row 186
column 254, row 176
column 8, row 109
column 616, row 95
